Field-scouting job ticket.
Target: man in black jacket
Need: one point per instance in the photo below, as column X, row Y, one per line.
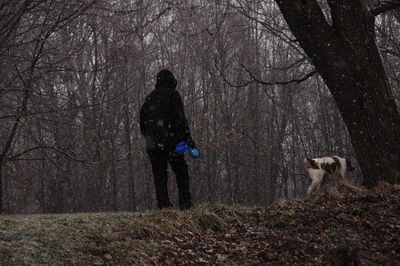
column 163, row 124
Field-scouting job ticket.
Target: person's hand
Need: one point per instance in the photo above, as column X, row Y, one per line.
column 191, row 143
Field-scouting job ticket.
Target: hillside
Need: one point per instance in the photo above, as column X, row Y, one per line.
column 343, row 224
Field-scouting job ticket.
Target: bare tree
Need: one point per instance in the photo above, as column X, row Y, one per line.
column 76, row 73
column 347, row 58
column 28, row 48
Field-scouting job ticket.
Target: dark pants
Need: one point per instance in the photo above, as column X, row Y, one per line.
column 159, row 162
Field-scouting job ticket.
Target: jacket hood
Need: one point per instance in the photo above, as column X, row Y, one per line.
column 165, row 78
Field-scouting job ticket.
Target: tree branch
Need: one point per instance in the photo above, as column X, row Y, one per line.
column 295, row 80
column 230, row 83
column 384, row 6
column 268, row 83
column 15, row 156
column 80, row 107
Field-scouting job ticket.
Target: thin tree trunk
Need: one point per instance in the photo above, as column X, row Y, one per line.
column 131, row 172
column 2, row 162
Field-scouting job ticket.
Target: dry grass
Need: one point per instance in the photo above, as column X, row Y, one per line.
column 101, row 238
column 385, row 188
column 342, row 189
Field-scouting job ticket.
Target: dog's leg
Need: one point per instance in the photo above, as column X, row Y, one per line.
column 319, row 184
column 343, row 168
column 343, row 172
column 316, row 179
column 311, row 187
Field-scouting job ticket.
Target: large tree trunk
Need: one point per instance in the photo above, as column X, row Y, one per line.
column 346, row 56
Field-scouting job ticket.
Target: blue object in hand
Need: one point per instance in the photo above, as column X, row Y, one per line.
column 182, row 147
column 194, row 152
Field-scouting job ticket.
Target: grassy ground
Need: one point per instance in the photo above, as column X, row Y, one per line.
column 101, row 238
column 339, row 224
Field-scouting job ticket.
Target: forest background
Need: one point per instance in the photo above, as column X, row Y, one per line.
column 74, row 75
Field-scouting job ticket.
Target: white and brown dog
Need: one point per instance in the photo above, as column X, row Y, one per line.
column 318, row 167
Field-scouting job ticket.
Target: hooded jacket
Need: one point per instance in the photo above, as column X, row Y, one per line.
column 162, row 118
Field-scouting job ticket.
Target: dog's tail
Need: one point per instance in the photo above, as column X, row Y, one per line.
column 349, row 166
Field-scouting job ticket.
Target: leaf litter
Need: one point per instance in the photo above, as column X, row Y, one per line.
column 342, row 224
